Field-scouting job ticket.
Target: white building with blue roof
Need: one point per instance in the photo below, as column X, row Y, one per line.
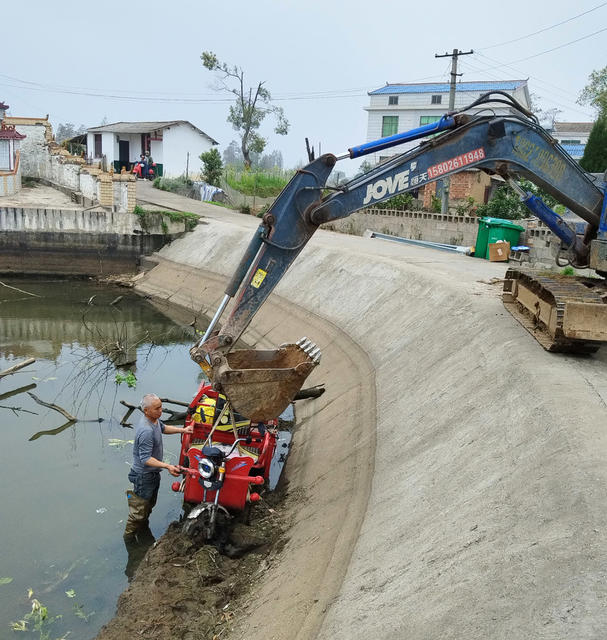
column 397, row 107
column 573, row 136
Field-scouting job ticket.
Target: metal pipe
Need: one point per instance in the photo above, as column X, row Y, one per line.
column 215, row 319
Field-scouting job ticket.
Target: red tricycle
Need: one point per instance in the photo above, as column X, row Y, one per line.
column 224, row 456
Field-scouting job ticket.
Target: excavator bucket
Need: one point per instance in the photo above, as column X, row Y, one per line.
column 261, row 384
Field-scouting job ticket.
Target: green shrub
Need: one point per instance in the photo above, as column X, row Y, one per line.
column 258, row 183
column 435, row 204
column 212, row 167
column 400, row 202
column 174, row 185
column 467, row 207
column 190, row 219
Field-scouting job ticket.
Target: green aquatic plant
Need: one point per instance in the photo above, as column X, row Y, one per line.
column 38, row 619
column 129, row 378
column 80, row 613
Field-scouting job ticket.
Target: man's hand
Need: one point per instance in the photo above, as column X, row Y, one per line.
column 174, row 470
column 188, row 429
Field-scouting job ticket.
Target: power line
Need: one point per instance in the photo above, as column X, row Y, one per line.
column 119, row 94
column 567, row 94
column 558, row 24
column 541, row 53
column 569, row 106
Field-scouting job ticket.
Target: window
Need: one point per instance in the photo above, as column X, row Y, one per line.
column 389, row 126
column 98, row 152
column 428, row 119
column 436, row 99
column 4, row 155
column 571, row 142
column 392, row 99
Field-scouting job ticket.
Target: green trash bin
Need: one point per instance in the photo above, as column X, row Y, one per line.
column 491, row 230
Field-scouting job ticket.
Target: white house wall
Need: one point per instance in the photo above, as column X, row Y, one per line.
column 411, row 107
column 177, row 141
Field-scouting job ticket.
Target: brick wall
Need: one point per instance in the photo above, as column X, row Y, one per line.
column 463, row 185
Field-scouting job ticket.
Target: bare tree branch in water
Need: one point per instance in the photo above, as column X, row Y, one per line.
column 55, row 407
column 16, row 367
column 174, row 416
column 16, row 409
column 53, row 432
column 15, row 392
column 28, row 293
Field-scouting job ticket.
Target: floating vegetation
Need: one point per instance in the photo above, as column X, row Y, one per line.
column 118, row 443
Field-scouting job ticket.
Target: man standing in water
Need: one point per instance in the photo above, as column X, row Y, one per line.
column 147, row 464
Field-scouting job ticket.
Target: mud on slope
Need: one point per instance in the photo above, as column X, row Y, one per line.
column 186, row 589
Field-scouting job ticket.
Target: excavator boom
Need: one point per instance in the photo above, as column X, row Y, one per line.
column 512, row 146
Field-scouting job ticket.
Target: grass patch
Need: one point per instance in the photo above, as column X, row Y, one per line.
column 144, row 215
column 256, row 183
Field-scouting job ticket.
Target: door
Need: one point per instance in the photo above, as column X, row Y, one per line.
column 123, row 154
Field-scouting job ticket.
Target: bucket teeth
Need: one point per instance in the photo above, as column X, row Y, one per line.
column 310, row 349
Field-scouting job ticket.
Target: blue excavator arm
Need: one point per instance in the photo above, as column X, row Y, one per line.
column 510, row 146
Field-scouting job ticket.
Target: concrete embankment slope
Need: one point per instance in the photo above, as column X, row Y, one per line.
column 453, row 477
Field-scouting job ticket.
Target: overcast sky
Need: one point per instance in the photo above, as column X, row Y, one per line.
column 81, row 62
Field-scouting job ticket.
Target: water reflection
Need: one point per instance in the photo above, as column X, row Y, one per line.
column 136, row 547
column 115, row 326
column 63, row 482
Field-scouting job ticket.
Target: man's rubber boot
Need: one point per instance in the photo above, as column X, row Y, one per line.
column 139, row 510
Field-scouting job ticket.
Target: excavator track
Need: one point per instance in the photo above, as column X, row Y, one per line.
column 564, row 314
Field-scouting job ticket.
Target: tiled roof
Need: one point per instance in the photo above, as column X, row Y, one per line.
column 574, row 150
column 573, row 127
column 443, row 87
column 8, row 132
column 144, row 127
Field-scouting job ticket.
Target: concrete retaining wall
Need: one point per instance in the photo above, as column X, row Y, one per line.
column 483, row 456
column 79, row 242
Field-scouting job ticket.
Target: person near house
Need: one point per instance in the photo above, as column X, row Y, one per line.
column 150, row 173
column 147, row 464
column 143, row 163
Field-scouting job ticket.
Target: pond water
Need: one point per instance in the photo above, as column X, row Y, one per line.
column 62, row 491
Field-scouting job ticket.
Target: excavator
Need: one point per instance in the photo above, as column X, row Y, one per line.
column 564, row 314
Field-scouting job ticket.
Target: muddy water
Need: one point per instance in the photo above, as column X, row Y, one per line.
column 62, row 491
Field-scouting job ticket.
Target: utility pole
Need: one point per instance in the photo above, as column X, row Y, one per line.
column 456, row 53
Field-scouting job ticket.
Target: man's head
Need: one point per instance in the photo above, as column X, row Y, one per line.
column 151, row 405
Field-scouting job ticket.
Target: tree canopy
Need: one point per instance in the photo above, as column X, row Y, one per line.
column 595, row 92
column 251, row 106
column 595, row 153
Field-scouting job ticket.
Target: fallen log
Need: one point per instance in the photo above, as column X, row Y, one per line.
column 52, row 406
column 16, row 367
column 14, row 392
